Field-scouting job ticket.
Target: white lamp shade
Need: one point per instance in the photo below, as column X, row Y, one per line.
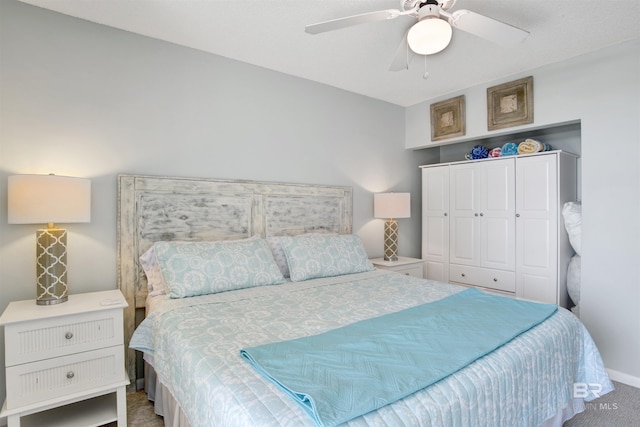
column 392, row 205
column 42, row 199
column 429, row 36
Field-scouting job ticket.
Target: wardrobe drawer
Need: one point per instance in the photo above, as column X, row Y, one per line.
column 53, row 337
column 48, row 379
column 476, row 276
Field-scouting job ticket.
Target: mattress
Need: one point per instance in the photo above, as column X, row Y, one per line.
column 195, row 346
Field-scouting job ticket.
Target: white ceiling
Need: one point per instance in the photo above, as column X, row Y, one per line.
column 270, row 34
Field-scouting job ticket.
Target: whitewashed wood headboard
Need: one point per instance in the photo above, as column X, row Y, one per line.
column 154, row 208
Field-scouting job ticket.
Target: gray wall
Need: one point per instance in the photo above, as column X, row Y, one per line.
column 86, row 100
column 601, row 92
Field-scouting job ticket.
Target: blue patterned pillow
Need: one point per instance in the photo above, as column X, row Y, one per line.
column 200, row 268
column 278, row 252
column 311, row 257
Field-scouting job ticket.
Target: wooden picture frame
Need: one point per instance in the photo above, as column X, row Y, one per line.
column 448, row 118
column 510, row 104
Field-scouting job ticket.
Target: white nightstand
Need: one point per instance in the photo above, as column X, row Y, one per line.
column 409, row 266
column 65, row 362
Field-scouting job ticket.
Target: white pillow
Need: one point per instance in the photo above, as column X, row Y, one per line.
column 573, row 279
column 148, row 262
column 572, row 213
column 278, row 254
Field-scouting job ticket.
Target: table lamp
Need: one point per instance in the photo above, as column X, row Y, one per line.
column 49, row 199
column 391, row 206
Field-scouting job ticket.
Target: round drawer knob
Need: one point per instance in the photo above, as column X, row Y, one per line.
column 495, row 280
column 70, row 374
column 517, row 215
column 463, row 275
column 445, row 214
column 68, row 335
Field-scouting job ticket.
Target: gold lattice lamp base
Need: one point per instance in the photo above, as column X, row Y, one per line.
column 51, row 266
column 390, row 240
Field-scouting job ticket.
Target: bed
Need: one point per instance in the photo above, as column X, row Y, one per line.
column 192, row 341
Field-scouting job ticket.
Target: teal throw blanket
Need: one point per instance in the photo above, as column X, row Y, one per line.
column 355, row 369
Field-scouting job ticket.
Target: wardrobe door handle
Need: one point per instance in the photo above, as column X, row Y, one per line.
column 517, row 215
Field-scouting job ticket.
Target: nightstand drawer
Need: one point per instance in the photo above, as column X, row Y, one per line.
column 410, row 271
column 48, row 379
column 53, row 337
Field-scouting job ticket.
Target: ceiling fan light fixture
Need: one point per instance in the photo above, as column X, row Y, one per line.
column 429, row 36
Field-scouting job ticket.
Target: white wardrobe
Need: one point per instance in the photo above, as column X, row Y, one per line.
column 497, row 224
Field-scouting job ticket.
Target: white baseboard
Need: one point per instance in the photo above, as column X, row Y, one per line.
column 621, row 377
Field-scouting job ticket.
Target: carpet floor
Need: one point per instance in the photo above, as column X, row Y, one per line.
column 140, row 412
column 620, row 408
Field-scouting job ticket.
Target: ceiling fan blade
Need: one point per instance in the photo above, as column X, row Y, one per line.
column 487, row 28
column 348, row 21
column 402, row 57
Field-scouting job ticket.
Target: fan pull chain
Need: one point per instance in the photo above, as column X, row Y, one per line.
column 426, row 72
column 408, row 52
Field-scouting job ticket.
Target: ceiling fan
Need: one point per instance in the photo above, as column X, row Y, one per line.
column 432, row 33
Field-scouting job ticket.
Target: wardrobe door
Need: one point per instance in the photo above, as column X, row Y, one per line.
column 464, row 226
column 497, row 214
column 537, row 228
column 435, row 222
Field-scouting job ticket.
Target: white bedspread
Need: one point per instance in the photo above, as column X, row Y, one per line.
column 195, row 343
